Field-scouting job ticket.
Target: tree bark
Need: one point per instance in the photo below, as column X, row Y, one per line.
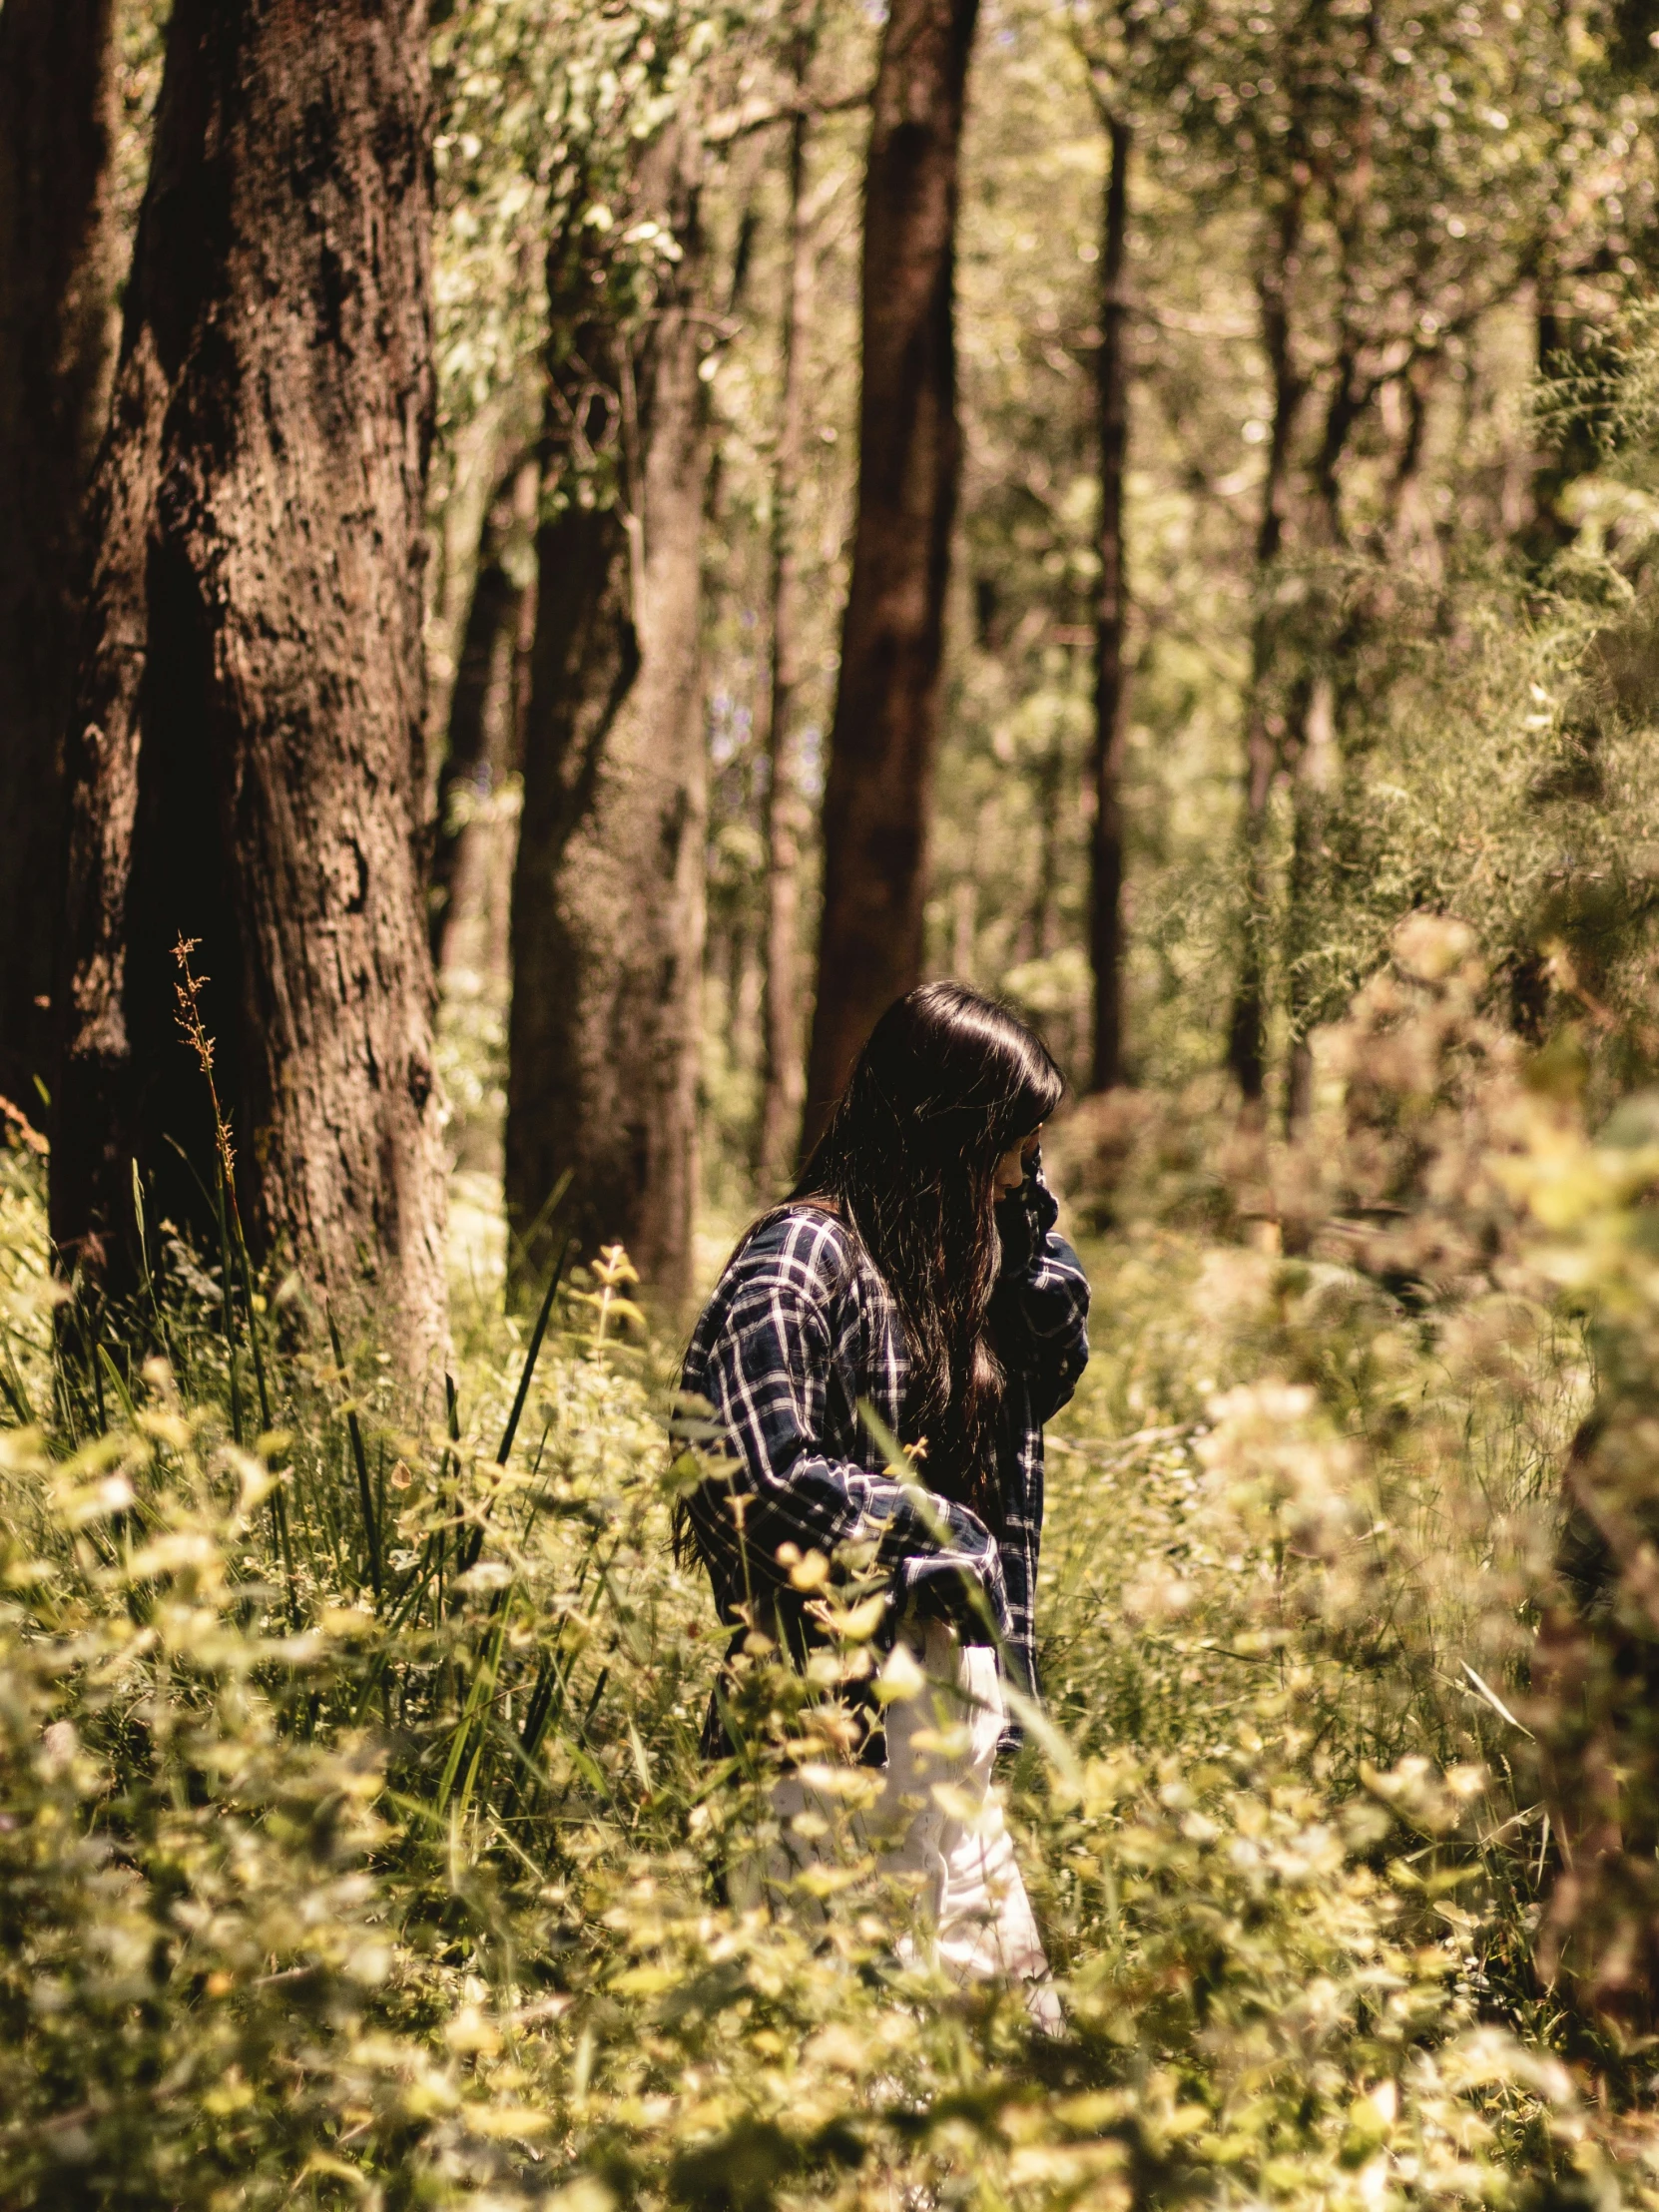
column 606, row 925
column 885, row 730
column 783, row 1076
column 1111, row 686
column 59, row 240
column 481, row 705
column 244, row 753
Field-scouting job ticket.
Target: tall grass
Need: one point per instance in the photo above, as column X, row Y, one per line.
column 357, row 1846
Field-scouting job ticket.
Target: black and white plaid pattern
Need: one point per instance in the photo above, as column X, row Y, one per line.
column 799, row 1328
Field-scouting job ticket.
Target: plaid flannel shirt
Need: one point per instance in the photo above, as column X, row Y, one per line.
column 799, row 1328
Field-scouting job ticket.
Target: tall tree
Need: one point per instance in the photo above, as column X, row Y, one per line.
column 59, row 239
column 1264, row 727
column 781, row 1073
column 884, row 735
column 607, row 926
column 1111, row 671
column 1392, row 219
column 244, row 765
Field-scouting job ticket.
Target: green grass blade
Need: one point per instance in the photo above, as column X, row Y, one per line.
column 530, row 1357
column 366, row 1496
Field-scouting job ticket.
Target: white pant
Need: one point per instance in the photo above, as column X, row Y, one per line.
column 939, row 1817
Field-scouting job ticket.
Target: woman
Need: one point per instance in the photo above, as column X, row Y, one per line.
column 913, row 1268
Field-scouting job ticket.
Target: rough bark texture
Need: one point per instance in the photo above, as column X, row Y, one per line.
column 243, row 754
column 606, row 925
column 1111, row 676
column 783, row 1075
column 884, row 736
column 480, row 711
column 59, row 240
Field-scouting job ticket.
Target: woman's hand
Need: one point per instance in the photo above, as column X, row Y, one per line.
column 1017, row 1226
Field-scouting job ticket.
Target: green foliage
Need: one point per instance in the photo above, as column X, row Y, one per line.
column 315, row 1892
column 1465, row 182
column 542, row 105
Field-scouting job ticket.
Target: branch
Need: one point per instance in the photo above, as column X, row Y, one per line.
column 754, row 115
column 1098, row 74
column 1191, row 327
column 1419, row 346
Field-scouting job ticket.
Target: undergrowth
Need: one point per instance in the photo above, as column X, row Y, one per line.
column 358, row 1847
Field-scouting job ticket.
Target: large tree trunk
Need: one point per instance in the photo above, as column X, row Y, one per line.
column 59, row 240
column 1111, row 684
column 880, row 787
column 782, row 1074
column 606, row 925
column 244, row 750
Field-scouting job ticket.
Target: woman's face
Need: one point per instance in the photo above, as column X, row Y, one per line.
column 1011, row 1169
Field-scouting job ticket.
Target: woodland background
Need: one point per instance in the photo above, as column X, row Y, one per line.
column 559, row 556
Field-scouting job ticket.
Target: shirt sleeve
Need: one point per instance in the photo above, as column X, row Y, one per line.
column 766, row 1378
column 1040, row 1307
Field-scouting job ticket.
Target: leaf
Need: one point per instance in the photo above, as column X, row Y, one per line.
column 858, row 1622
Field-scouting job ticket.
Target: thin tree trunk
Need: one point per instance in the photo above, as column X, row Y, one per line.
column 1409, row 533
column 524, row 647
column 1264, row 727
column 59, row 240
column 1111, row 686
column 476, row 752
column 884, row 736
column 1050, row 780
column 783, row 1075
column 1546, row 530
column 737, row 294
column 244, row 757
column 1317, row 768
column 608, row 890
column 729, row 949
column 1311, row 749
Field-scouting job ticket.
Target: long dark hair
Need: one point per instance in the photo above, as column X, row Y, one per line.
column 948, row 1082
